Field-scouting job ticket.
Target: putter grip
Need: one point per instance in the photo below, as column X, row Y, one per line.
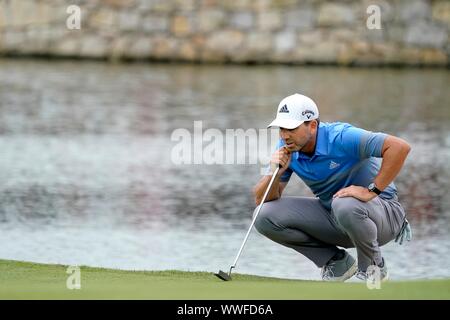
column 273, row 167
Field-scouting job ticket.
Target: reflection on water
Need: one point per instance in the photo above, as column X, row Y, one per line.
column 87, row 177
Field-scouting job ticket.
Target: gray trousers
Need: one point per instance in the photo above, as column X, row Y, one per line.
column 303, row 224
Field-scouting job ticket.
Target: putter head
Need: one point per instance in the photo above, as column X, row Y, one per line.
column 223, row 276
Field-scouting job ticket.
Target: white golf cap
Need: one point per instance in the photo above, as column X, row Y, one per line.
column 294, row 110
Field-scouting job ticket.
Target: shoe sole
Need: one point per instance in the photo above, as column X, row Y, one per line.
column 348, row 274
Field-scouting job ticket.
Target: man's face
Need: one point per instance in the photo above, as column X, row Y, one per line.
column 296, row 139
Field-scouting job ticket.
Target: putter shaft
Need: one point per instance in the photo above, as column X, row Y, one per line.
column 254, row 218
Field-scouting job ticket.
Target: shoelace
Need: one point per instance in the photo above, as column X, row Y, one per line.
column 361, row 275
column 327, row 272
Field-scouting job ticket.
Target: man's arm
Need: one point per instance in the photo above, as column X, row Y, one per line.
column 394, row 153
column 274, row 193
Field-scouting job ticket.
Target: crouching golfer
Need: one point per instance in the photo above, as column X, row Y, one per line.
column 356, row 203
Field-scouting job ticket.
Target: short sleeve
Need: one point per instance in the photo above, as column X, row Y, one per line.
column 286, row 174
column 361, row 143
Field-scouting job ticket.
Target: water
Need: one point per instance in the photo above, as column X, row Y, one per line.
column 87, row 176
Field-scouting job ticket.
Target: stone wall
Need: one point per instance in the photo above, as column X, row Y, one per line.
column 414, row 32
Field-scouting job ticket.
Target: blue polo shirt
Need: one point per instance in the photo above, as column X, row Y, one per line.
column 344, row 156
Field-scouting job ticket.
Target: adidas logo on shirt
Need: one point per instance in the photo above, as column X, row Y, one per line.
column 284, row 109
column 334, row 165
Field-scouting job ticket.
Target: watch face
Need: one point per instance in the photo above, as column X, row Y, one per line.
column 373, row 188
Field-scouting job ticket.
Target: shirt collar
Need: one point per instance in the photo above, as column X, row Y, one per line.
column 321, row 146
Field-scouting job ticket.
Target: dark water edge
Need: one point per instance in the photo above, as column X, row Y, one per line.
column 247, row 63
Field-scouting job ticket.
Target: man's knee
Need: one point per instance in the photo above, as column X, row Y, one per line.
column 264, row 222
column 348, row 210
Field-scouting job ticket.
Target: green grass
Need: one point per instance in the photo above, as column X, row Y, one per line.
column 23, row 280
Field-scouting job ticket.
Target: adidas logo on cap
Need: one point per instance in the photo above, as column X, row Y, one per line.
column 284, row 109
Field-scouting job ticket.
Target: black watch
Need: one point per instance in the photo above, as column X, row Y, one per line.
column 373, row 188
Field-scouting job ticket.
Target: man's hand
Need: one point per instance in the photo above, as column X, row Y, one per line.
column 357, row 192
column 281, row 157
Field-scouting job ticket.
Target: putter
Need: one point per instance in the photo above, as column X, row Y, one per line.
column 227, row 276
